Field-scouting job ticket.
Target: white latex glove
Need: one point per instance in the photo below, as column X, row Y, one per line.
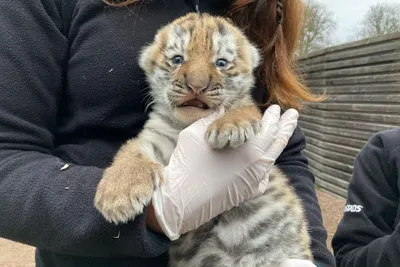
column 297, row 263
column 201, row 183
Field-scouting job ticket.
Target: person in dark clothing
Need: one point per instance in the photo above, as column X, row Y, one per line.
column 369, row 232
column 72, row 93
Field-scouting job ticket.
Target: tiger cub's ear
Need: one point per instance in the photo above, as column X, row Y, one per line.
column 145, row 57
column 228, row 19
column 255, row 56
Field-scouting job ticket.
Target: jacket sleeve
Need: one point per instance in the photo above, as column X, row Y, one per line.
column 367, row 235
column 42, row 203
column 295, row 165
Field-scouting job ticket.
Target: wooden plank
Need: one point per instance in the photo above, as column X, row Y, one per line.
column 328, row 154
column 389, row 119
column 322, row 174
column 353, row 152
column 380, row 98
column 348, row 124
column 315, row 83
column 361, row 51
column 331, row 155
column 363, row 61
column 343, row 166
column 353, row 45
column 356, row 71
column 335, row 160
column 350, row 142
column 364, row 107
column 330, row 188
column 339, row 132
column 359, row 89
column 368, row 79
column 341, row 176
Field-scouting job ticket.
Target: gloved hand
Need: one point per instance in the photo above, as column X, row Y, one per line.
column 201, row 183
column 297, row 263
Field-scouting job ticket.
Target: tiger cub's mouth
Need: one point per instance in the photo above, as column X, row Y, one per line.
column 194, row 103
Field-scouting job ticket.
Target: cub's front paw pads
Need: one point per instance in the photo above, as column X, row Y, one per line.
column 223, row 133
column 123, row 193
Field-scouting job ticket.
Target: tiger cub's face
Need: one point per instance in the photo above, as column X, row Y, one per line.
column 197, row 64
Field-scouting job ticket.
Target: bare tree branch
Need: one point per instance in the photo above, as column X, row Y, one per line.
column 318, row 26
column 381, row 18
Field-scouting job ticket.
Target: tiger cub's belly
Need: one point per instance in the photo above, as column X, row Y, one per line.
column 261, row 232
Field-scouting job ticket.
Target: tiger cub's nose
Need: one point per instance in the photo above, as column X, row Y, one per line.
column 196, row 85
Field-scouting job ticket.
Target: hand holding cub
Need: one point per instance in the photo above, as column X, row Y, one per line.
column 201, row 183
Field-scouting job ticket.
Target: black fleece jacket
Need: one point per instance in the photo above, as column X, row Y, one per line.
column 369, row 233
column 72, row 92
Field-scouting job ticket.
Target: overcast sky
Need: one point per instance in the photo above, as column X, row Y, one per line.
column 348, row 13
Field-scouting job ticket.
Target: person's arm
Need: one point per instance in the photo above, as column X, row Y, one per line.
column 367, row 235
column 295, row 165
column 42, row 203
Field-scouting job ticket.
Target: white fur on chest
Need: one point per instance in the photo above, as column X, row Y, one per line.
column 158, row 131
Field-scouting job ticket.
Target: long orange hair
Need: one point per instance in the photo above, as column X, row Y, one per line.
column 275, row 27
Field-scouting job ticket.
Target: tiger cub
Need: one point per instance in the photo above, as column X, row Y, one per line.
column 198, row 64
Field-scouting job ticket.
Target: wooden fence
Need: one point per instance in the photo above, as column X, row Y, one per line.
column 362, row 81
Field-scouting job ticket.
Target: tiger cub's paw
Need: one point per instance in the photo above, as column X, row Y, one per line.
column 124, row 190
column 233, row 129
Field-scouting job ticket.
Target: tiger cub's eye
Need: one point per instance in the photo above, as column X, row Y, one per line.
column 177, row 60
column 221, row 63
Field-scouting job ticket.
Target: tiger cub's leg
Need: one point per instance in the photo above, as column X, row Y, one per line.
column 128, row 184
